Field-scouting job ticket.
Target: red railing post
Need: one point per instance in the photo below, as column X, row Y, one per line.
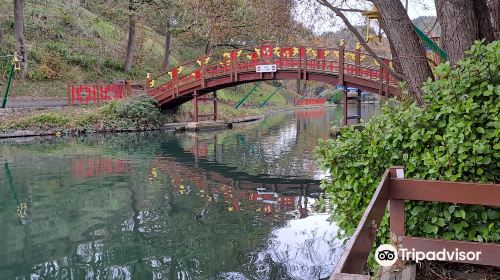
column 341, row 64
column 203, row 70
column 305, row 63
column 234, row 66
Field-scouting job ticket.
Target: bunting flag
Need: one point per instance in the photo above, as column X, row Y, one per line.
column 321, row 54
column 257, row 51
column 277, row 51
column 199, row 62
column 350, row 55
column 266, row 51
column 311, row 52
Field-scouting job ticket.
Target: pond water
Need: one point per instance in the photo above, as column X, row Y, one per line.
column 234, row 204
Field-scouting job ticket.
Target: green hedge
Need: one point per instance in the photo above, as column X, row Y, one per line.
column 455, row 138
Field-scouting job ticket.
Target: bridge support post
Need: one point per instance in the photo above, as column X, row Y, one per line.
column 195, row 105
column 215, row 105
column 346, row 104
column 358, row 119
column 357, row 99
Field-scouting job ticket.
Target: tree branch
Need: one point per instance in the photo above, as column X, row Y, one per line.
column 358, row 36
column 352, row 10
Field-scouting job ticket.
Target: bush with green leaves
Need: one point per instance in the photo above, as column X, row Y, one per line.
column 136, row 112
column 336, row 96
column 454, row 138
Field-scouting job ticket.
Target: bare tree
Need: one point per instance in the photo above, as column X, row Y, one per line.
column 168, row 44
column 402, row 38
column 19, row 34
column 407, row 46
column 131, row 37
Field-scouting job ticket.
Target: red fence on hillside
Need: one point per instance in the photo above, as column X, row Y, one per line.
column 95, row 93
column 310, row 101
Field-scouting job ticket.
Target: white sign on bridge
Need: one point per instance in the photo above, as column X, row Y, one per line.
column 266, row 68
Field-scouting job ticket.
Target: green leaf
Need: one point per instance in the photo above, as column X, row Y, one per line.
column 460, row 214
column 479, row 238
column 417, row 210
column 430, row 228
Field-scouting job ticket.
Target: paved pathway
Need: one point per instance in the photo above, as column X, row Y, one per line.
column 38, row 102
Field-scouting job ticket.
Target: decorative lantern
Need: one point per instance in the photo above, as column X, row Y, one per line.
column 16, row 62
column 373, row 14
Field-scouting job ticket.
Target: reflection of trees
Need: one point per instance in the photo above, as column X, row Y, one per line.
column 126, row 226
column 121, row 227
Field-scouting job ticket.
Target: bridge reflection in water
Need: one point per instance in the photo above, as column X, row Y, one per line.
column 228, row 205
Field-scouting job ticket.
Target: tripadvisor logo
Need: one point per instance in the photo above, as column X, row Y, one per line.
column 386, row 255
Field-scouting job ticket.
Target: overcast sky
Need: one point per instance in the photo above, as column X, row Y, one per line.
column 323, row 20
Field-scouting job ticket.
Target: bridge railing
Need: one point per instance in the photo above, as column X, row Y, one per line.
column 302, row 59
column 394, row 190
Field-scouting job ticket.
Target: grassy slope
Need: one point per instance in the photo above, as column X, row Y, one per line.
column 69, row 43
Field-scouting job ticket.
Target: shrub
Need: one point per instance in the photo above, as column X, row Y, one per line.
column 455, row 138
column 335, row 97
column 50, row 67
column 134, row 112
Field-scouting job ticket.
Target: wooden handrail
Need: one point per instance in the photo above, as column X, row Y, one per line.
column 394, row 189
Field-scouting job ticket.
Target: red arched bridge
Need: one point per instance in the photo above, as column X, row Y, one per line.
column 335, row 66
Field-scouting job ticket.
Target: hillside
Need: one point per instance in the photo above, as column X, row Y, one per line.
column 67, row 42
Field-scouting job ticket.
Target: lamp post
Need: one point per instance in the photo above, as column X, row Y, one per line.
column 14, row 67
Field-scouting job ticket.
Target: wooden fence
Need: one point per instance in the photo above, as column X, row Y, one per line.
column 394, row 189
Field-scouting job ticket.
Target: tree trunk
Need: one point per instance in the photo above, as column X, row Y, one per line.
column 485, row 26
column 459, row 26
column 494, row 9
column 207, row 47
column 401, row 32
column 1, row 34
column 19, row 34
column 395, row 56
column 168, row 38
column 131, row 39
